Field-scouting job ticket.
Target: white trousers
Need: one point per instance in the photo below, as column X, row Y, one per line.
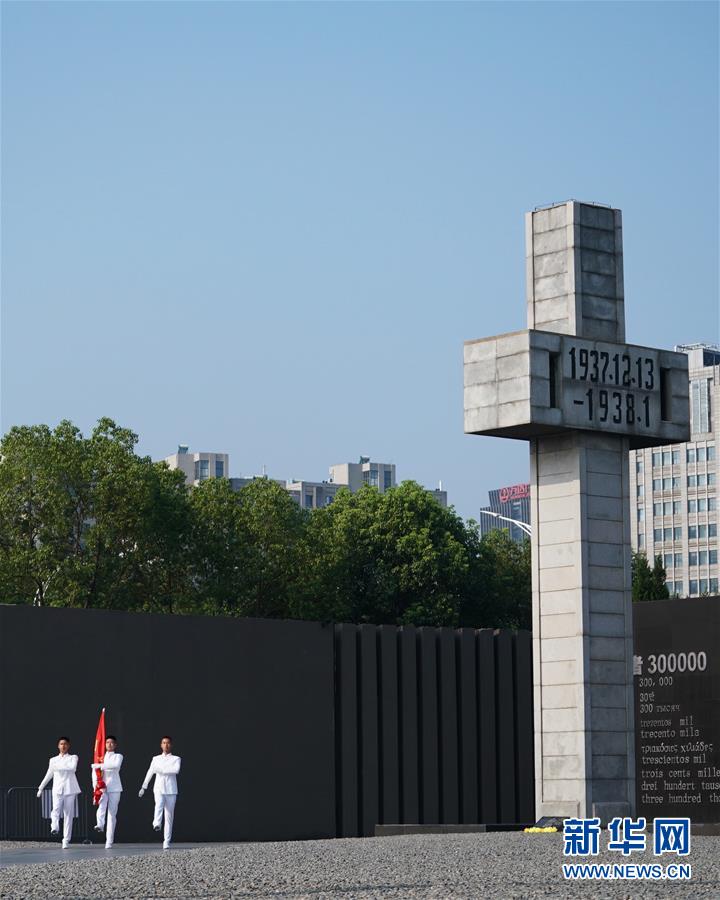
column 165, row 803
column 107, row 809
column 63, row 805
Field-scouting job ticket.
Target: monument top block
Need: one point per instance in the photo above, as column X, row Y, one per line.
column 571, row 369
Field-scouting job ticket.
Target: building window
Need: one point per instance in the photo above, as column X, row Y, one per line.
column 712, row 557
column 692, row 480
column 711, row 452
column 692, row 506
column 657, row 484
column 691, row 455
column 677, row 533
column 676, row 457
column 641, row 490
column 668, row 561
column 692, row 532
column 700, row 405
column 693, row 588
column 641, row 514
column 703, row 585
column 713, row 585
column 656, row 458
column 666, row 457
column 692, row 558
column 702, row 531
column 711, row 503
column 703, row 558
column 678, row 560
column 374, row 478
column 641, row 541
column 701, row 454
column 387, row 479
column 657, row 509
column 639, row 466
column 711, row 479
column 219, row 468
column 657, row 535
column 667, row 534
column 308, row 501
column 202, row 469
column 673, row 507
column 712, row 530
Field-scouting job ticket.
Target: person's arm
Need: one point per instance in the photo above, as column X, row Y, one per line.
column 170, row 767
column 67, row 763
column 114, row 765
column 146, row 781
column 48, row 776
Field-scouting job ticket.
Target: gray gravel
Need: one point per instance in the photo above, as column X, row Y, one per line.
column 474, row 866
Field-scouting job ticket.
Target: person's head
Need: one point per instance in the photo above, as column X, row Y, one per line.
column 166, row 744
column 63, row 744
column 110, row 743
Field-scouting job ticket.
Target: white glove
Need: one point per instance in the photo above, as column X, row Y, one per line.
column 96, row 766
column 142, row 791
column 39, row 793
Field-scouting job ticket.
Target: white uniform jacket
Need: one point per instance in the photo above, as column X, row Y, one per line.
column 111, row 772
column 164, row 767
column 62, row 771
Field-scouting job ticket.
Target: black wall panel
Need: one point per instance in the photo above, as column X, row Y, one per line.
column 287, row 729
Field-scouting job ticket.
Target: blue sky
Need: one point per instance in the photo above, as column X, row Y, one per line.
column 268, row 228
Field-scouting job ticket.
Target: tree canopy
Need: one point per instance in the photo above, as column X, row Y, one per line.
column 86, row 522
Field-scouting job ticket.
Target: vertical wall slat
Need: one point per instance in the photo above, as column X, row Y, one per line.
column 505, row 716
column 409, row 692
column 524, row 769
column 430, row 792
column 487, row 748
column 389, row 719
column 468, row 727
column 449, row 811
column 369, row 776
column 346, row 724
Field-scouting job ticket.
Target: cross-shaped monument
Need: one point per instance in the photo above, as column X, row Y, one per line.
column 582, row 397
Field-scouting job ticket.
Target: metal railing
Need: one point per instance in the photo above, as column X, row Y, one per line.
column 24, row 817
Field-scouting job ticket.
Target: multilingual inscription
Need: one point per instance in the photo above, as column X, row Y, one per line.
column 677, row 694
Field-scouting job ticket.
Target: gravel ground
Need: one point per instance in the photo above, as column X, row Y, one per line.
column 474, row 866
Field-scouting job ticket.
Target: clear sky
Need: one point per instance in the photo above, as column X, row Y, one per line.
column 268, row 228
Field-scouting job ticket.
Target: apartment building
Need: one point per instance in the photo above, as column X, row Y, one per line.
column 675, row 515
column 355, row 475
column 198, row 467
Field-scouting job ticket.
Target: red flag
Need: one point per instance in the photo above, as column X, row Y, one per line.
column 99, row 757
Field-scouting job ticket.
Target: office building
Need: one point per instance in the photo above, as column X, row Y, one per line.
column 355, row 475
column 512, row 502
column 675, row 514
column 198, row 467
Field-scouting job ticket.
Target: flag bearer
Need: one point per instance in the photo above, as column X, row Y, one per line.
column 165, row 767
column 110, row 799
column 65, row 789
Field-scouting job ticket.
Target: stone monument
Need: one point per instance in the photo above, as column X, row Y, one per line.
column 582, row 397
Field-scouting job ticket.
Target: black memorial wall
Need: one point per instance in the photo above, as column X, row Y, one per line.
column 287, row 729
column 677, row 708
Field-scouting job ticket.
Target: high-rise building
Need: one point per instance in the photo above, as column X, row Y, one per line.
column 355, row 475
column 198, row 467
column 675, row 514
column 512, row 502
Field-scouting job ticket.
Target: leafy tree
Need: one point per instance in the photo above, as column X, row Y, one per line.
column 501, row 595
column 647, row 583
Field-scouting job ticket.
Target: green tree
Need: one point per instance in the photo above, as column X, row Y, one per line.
column 396, row 558
column 648, row 583
column 501, row 594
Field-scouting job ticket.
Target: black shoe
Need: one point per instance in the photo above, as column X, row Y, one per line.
column 54, row 831
column 97, row 828
column 155, row 828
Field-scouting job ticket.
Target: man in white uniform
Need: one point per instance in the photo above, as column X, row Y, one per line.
column 165, row 767
column 61, row 769
column 110, row 799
